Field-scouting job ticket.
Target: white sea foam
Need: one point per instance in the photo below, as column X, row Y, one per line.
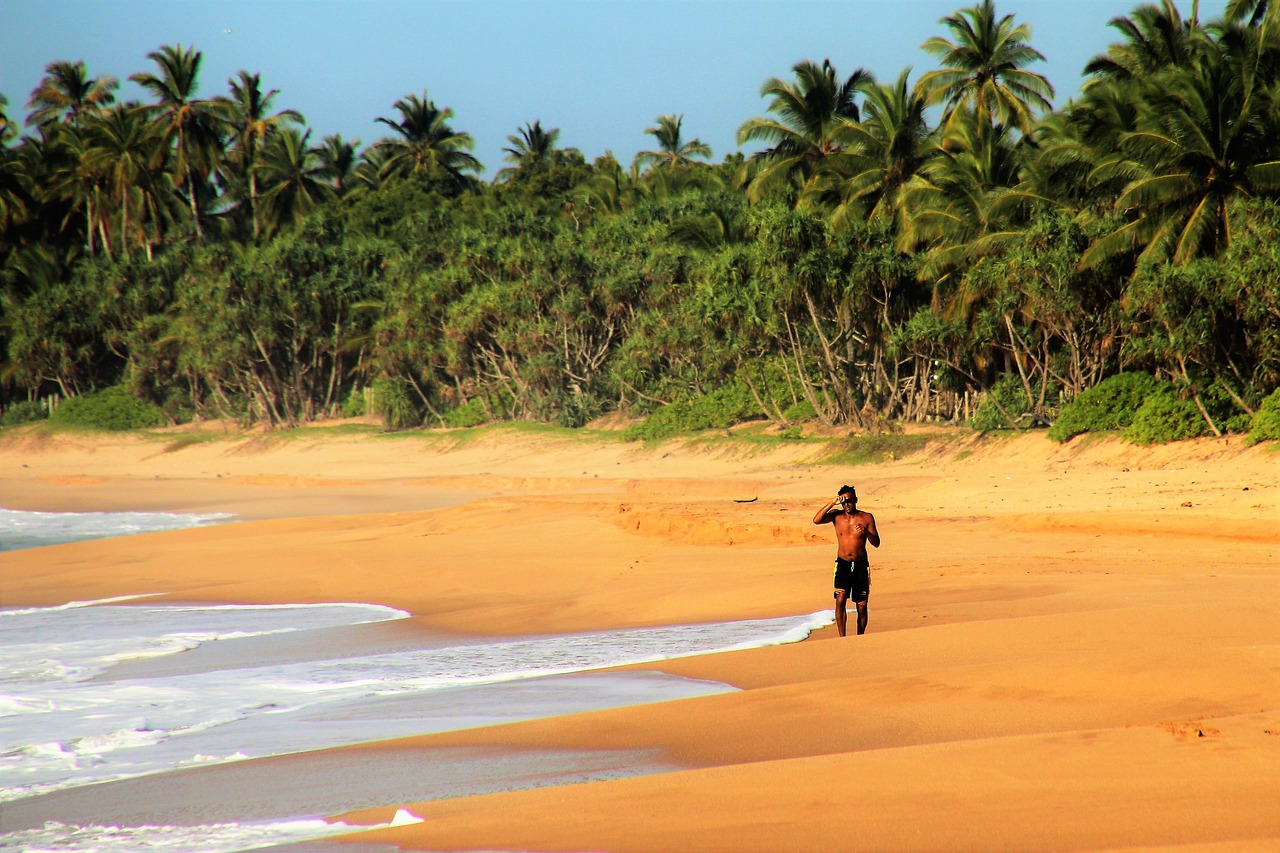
column 93, row 691
column 55, row 837
column 20, row 529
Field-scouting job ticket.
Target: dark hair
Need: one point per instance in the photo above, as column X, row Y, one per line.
column 847, row 490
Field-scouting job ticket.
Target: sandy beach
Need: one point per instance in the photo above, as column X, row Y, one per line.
column 1071, row 647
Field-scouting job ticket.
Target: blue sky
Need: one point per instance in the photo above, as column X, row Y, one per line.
column 600, row 70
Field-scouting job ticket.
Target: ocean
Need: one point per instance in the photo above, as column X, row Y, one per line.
column 128, row 696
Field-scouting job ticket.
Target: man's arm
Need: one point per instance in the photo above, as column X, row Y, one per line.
column 823, row 514
column 873, row 535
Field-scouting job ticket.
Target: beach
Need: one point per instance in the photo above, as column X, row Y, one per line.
column 1071, row 647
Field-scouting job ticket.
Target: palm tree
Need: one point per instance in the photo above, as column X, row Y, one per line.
column 74, row 178
column 427, row 143
column 1154, row 38
column 673, row 151
column 7, row 128
column 68, row 94
column 887, row 148
column 122, row 147
column 1255, row 10
column 530, row 147
column 193, row 127
column 251, row 124
column 809, row 117
column 1205, row 133
column 294, row 177
column 338, row 160
column 983, row 69
column 950, row 214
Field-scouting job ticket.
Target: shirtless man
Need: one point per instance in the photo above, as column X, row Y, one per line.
column 854, row 529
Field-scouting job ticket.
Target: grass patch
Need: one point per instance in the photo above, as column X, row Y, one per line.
column 868, row 449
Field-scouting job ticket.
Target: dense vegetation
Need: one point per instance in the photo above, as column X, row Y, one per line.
column 952, row 248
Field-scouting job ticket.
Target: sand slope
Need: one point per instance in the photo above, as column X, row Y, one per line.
column 1071, row 647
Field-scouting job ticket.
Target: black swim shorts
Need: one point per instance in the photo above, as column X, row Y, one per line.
column 853, row 576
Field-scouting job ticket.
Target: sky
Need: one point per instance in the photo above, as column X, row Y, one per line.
column 602, row 71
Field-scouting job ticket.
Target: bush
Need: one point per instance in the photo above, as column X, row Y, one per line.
column 392, row 403
column 1266, row 420
column 1166, row 417
column 802, row 411
column 24, row 412
column 469, row 414
column 357, row 403
column 111, row 408
column 1010, row 393
column 1109, row 405
column 719, row 409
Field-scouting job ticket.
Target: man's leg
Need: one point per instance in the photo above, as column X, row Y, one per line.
column 862, row 616
column 842, row 595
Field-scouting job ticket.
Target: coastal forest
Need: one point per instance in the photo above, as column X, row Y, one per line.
column 939, row 245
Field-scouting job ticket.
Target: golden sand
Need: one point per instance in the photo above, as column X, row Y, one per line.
column 1070, row 648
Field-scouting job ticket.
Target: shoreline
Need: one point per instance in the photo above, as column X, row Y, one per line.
column 1051, row 626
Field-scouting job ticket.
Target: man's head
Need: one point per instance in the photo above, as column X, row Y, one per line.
column 848, row 496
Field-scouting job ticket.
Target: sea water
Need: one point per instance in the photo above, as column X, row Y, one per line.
column 118, row 689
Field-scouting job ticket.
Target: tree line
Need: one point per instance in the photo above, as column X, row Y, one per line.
column 893, row 251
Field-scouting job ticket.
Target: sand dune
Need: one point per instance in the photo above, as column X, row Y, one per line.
column 1071, row 647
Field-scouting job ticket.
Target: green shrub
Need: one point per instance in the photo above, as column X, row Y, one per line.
column 111, row 408
column 719, row 409
column 392, row 403
column 802, row 411
column 1266, row 420
column 1165, row 417
column 1109, row 405
column 24, row 412
column 1010, row 393
column 357, row 403
column 469, row 414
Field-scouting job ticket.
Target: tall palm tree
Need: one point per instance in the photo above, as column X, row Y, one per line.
column 530, row 147
column 808, row 119
column 67, row 94
column 251, row 123
column 339, row 160
column 294, row 177
column 887, row 148
column 74, row 179
column 192, row 126
column 983, row 70
column 426, row 142
column 673, row 151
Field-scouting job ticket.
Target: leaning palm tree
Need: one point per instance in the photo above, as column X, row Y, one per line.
column 530, row 147
column 251, row 122
column 426, row 143
column 67, row 94
column 983, row 70
column 808, row 119
column 673, row 151
column 193, row 127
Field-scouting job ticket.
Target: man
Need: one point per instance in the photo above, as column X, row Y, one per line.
column 854, row 529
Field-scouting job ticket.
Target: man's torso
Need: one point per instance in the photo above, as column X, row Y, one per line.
column 851, row 534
